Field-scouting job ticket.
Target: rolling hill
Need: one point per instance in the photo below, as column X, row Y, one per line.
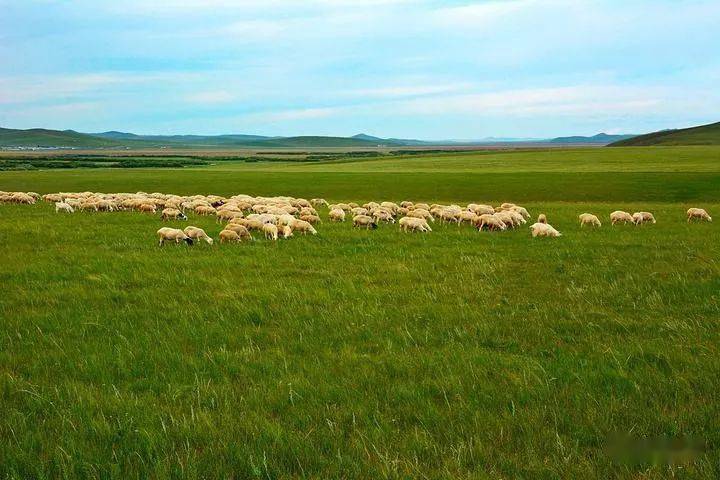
column 41, row 137
column 181, row 139
column 312, row 141
column 45, row 138
column 702, row 135
column 600, row 138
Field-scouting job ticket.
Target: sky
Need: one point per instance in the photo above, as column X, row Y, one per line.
column 426, row 69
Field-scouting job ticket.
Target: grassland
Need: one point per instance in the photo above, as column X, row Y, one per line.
column 359, row 354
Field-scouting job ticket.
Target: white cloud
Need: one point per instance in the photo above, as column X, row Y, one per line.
column 296, row 114
column 480, row 14
column 405, row 90
column 212, row 97
column 36, row 88
column 587, row 101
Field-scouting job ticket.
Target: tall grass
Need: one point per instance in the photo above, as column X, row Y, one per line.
column 357, row 354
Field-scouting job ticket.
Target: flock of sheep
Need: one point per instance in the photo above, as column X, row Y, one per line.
column 281, row 217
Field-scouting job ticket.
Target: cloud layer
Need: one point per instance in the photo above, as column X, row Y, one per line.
column 429, row 69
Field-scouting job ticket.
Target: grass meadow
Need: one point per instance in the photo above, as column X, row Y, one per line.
column 368, row 354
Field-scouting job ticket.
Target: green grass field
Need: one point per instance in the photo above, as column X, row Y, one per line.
column 367, row 354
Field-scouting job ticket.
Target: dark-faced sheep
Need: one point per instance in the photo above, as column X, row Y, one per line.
column 364, row 221
column 173, row 234
column 197, row 234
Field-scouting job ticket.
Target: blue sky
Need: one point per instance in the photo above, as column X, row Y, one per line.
column 419, row 69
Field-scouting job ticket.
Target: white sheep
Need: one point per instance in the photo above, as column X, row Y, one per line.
column 414, row 224
column 312, row 219
column 698, row 213
column 491, row 221
column 318, row 201
column 303, row 227
column 172, row 214
column 285, row 231
column 63, row 207
column 589, row 219
column 364, row 221
column 227, row 236
column 173, row 234
column 643, row 217
column 618, row 216
column 197, row 234
column 544, row 230
column 241, row 230
column 337, row 215
column 271, row 231
column 383, row 215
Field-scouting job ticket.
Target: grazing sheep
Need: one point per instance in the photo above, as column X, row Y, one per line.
column 271, row 231
column 172, row 214
column 364, row 221
column 491, row 221
column 241, row 230
column 229, row 236
column 391, row 206
column 619, row 216
column 285, row 231
column 303, row 227
column 319, row 201
column 308, row 211
column 521, row 210
column 510, row 218
column 205, row 210
column 589, row 219
column 544, row 230
column 311, row 219
column 197, row 234
column 64, row 207
column 414, row 224
column 285, row 220
column 173, row 234
column 20, row 197
column 337, row 215
column 88, row 206
column 342, row 206
column 359, row 211
column 383, row 216
column 227, row 215
column 698, row 213
column 421, row 213
column 106, row 206
column 249, row 223
column 480, row 209
column 643, row 217
column 542, row 218
column 466, row 216
column 447, row 215
column 53, row 197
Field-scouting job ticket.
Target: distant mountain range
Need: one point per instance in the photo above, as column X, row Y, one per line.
column 600, row 138
column 701, row 135
column 44, row 138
